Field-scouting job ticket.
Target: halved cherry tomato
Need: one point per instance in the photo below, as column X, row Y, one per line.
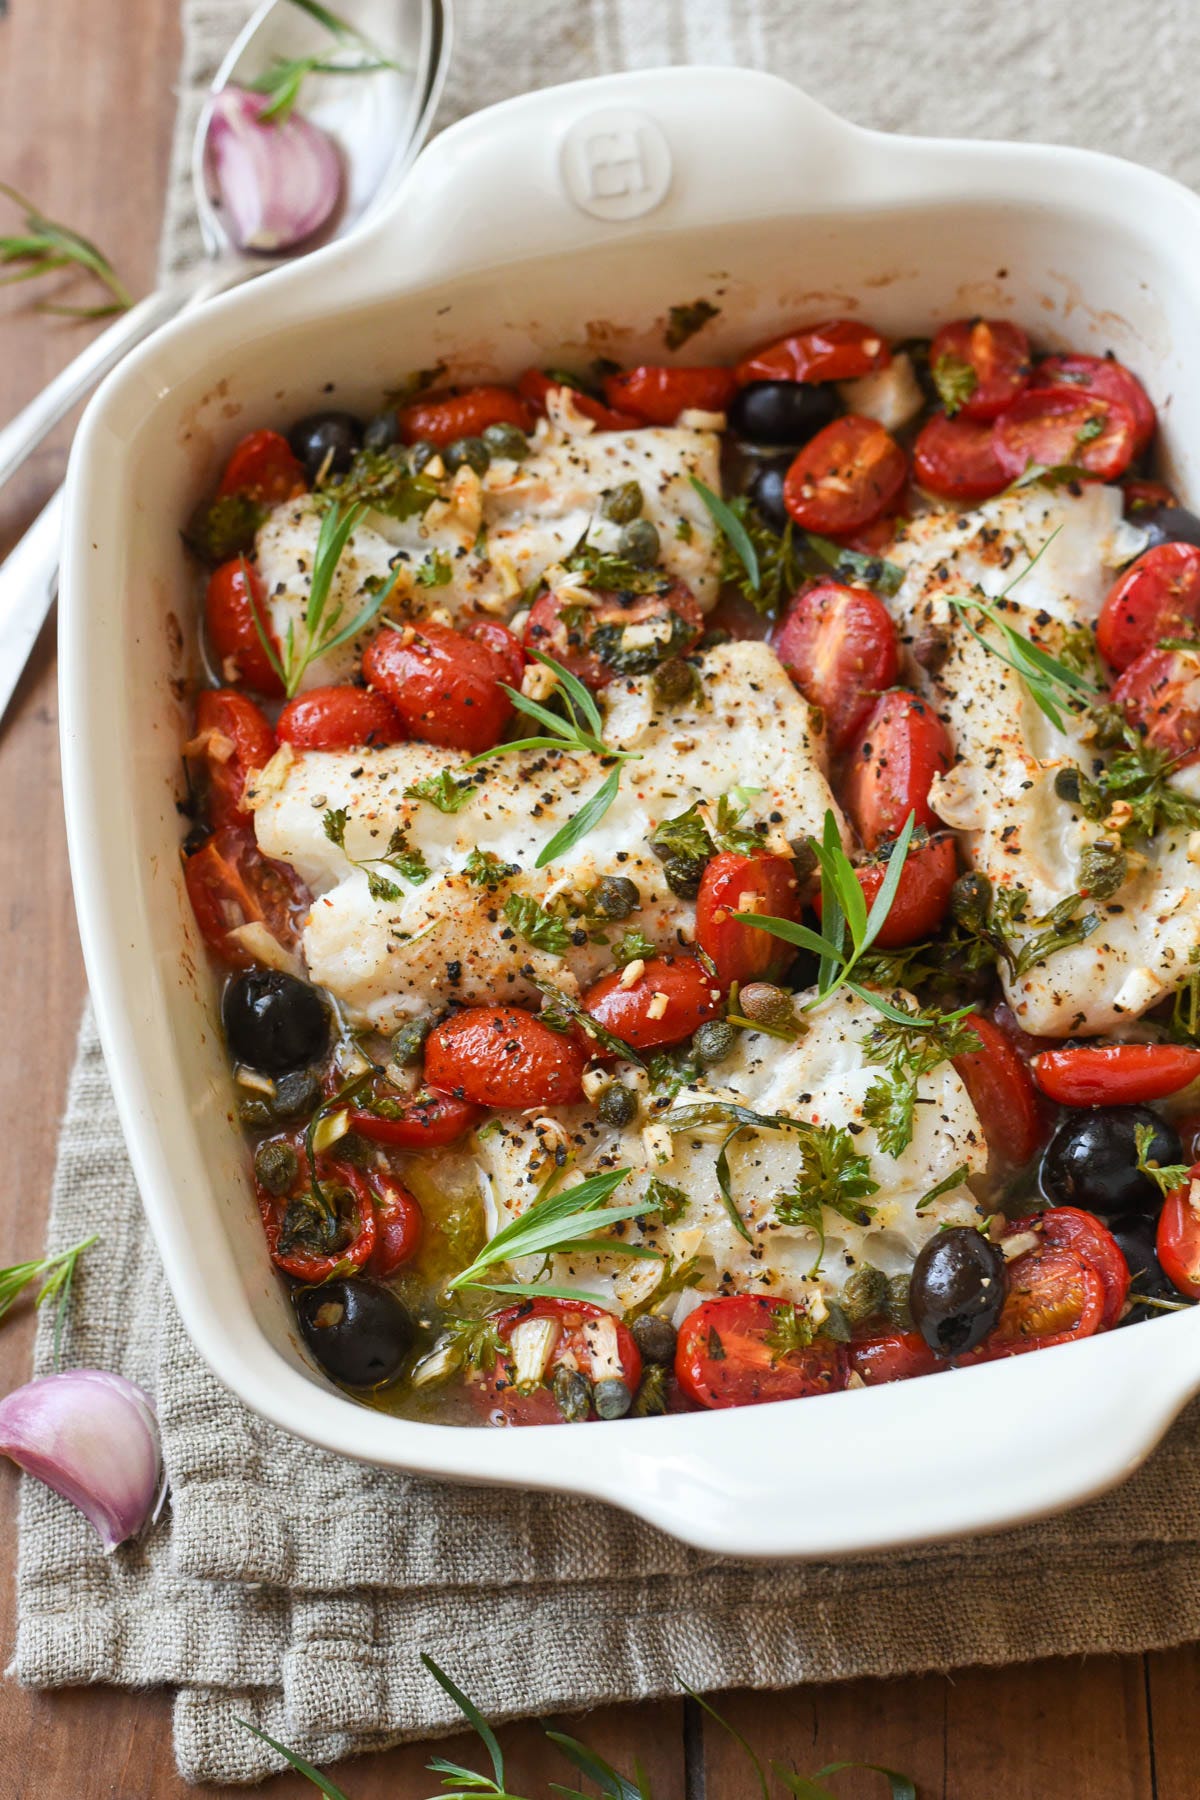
column 839, row 646
column 1115, row 1074
column 756, row 884
column 263, row 467
column 1160, row 695
column 731, row 1352
column 1054, row 1296
column 535, row 386
column 956, row 459
column 230, row 883
column 588, row 1338
column 1177, row 1240
column 443, row 417
column 894, row 1356
column 1001, row 1092
column 1157, row 597
column 901, row 748
column 591, row 645
column 657, row 395
column 996, row 352
column 838, row 350
column 426, row 1123
column 922, row 896
column 399, row 1225
column 230, row 605
column 1144, row 496
column 663, row 1006
column 1083, row 1232
column 339, row 718
column 1106, row 376
column 844, row 477
column 501, row 1056
column 444, row 685
column 357, row 1232
column 1057, row 425
column 236, row 739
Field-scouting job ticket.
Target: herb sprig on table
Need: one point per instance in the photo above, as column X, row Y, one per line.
column 44, row 247
column 57, row 1273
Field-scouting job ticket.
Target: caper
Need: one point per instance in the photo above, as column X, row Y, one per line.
column 275, row 1166
column 638, row 544
column 255, row 1112
column 804, row 858
column 683, row 875
column 971, row 900
column 614, row 898
column 622, row 504
column 836, row 1323
column 296, row 1093
column 408, row 1045
column 674, row 682
column 865, row 1294
column 468, row 452
column 382, row 432
column 713, row 1041
column 354, row 1150
column 650, row 1401
column 572, row 1393
column 655, row 1338
column 420, row 454
column 897, row 1309
column 1067, row 786
column 611, row 1398
column 505, row 440
column 765, row 1004
column 1102, row 869
column 617, row 1105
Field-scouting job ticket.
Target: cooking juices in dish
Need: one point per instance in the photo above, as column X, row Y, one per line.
column 705, row 862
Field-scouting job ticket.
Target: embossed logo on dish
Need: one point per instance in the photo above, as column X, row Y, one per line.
column 615, row 164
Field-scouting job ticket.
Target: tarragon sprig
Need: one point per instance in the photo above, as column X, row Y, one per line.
column 59, row 1273
column 46, row 246
column 554, row 1222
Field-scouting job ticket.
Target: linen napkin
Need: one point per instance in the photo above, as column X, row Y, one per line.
column 295, row 1589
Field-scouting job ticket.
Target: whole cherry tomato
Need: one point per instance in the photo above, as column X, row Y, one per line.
column 1156, row 597
column 1177, row 1239
column 839, row 646
column 1058, row 425
column 844, row 477
column 591, row 646
column 900, row 749
column 354, row 1236
column 657, row 395
column 535, row 387
column 234, row 597
column 442, row 418
column 339, row 718
column 1115, row 1074
column 1001, row 1092
column 735, row 1351
column 956, row 459
column 236, row 739
column 262, row 466
column 994, row 364
column 838, row 350
column 1103, row 375
column 754, row 884
column 893, row 1356
column 1160, row 696
column 588, row 1338
column 501, row 1056
column 425, row 1123
column 922, row 896
column 444, row 685
column 664, row 1005
column 1083, row 1232
column 230, row 883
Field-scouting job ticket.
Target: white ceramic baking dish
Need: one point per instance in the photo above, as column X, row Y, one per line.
column 552, row 229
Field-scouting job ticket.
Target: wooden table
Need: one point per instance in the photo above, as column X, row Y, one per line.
column 85, row 124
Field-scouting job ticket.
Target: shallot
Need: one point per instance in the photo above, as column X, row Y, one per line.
column 93, row 1438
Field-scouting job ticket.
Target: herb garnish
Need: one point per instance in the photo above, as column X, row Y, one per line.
column 552, row 1223
column 684, row 321
column 855, row 565
column 909, row 1052
column 832, row 1175
column 59, row 1273
column 286, row 76
column 1166, row 1176
column 954, row 1179
column 382, row 482
column 698, row 834
column 435, row 571
column 605, row 570
column 1137, row 778
column 487, row 870
column 408, row 863
column 542, row 930
column 562, row 1012
column 46, row 246
column 668, row 1201
column 955, row 381
column 224, row 527
column 762, row 564
column 1185, row 1014
column 446, row 790
column 633, row 946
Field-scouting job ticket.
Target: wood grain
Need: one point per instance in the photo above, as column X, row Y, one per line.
column 85, row 121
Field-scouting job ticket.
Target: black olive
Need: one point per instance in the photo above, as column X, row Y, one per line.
column 1092, row 1161
column 782, row 412
column 1147, row 1279
column 326, row 441
column 766, row 492
column 655, row 1338
column 382, row 432
column 956, row 1290
column 274, row 1022
column 359, row 1332
column 1167, row 525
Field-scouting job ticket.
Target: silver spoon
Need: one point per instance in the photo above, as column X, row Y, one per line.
column 379, row 129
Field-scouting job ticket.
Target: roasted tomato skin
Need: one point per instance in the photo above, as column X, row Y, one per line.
column 1058, row 425
column 956, row 459
column 426, row 1123
column 633, row 1013
column 1001, row 1092
column 535, row 386
column 839, row 646
column 339, row 718
column 838, row 350
column 444, row 685
column 759, row 884
column 1054, row 1297
column 501, row 1056
column 922, row 897
column 893, row 1356
column 233, row 723
column 724, row 1355
column 844, row 477
column 441, row 418
column 657, row 395
column 263, row 467
column 1070, row 1228
column 304, row 1263
column 889, row 767
column 1157, row 597
column 996, row 351
column 230, row 882
column 1105, row 376
column 1177, row 1237
column 1115, row 1074
column 234, row 596
column 1160, row 697
column 574, row 645
column 399, row 1227
column 594, row 1341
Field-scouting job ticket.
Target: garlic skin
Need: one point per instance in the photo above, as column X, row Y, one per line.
column 93, row 1438
column 276, row 183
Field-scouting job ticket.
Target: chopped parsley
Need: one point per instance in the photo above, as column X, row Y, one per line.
column 435, row 571
column 669, row 1202
column 632, row 946
column 833, row 1176
column 382, row 482
column 908, row 1052
column 487, row 870
column 410, row 864
column 542, row 930
column 445, row 790
column 1166, row 1176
